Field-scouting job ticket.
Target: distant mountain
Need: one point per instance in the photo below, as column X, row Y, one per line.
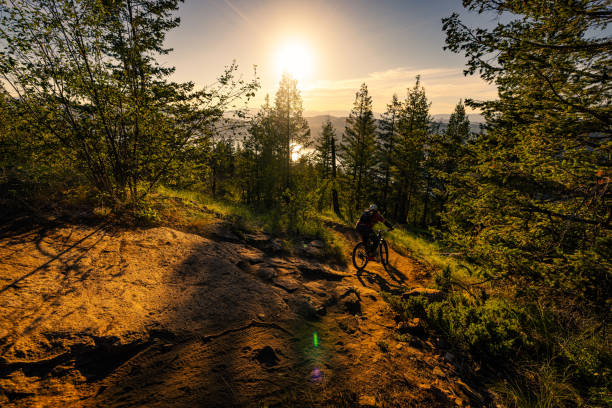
column 339, row 122
column 473, row 117
column 316, row 123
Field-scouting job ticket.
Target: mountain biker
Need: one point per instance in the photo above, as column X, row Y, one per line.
column 369, row 218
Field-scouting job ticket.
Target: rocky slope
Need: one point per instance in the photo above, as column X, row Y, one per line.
column 95, row 316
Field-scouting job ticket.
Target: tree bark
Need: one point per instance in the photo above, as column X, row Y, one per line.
column 335, row 202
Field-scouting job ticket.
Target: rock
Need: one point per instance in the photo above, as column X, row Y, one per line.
column 414, row 326
column 321, row 310
column 419, row 344
column 304, row 308
column 245, row 266
column 351, row 304
column 252, row 256
column 287, row 283
column 276, row 245
column 257, row 239
column 430, row 294
column 315, row 272
column 312, row 251
column 266, row 273
column 317, row 288
column 225, row 235
column 349, row 324
column 317, row 244
column 438, row 372
column 367, row 401
column 459, row 402
column 467, row 390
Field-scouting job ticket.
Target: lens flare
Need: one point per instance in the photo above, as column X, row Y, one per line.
column 315, row 339
column 317, row 375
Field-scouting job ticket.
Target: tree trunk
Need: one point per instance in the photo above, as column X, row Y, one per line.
column 214, row 181
column 426, row 203
column 335, row 202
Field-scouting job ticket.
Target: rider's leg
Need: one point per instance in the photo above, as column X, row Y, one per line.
column 373, row 244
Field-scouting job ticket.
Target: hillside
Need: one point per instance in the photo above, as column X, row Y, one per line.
column 106, row 316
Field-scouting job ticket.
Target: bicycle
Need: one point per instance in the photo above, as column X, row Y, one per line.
column 360, row 254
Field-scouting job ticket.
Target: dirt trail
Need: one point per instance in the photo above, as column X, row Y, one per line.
column 158, row 317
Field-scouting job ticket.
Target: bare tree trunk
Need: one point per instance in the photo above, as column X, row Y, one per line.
column 426, row 203
column 335, row 202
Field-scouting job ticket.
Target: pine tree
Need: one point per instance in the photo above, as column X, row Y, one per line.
column 263, row 159
column 326, row 163
column 447, row 155
column 323, row 148
column 358, row 150
column 413, row 131
column 539, row 205
column 290, row 125
column 387, row 138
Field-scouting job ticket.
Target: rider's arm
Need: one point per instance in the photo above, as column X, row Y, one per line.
column 380, row 218
column 387, row 223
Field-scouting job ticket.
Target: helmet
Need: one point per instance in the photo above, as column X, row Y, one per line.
column 373, row 207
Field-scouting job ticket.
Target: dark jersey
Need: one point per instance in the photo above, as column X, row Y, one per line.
column 370, row 218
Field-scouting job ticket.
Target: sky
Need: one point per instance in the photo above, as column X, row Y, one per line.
column 331, row 46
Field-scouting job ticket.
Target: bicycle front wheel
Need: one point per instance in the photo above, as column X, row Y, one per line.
column 360, row 256
column 383, row 251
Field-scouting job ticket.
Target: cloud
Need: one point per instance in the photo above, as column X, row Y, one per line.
column 443, row 86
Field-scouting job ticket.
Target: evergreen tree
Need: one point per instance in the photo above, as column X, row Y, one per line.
column 290, row 125
column 263, row 159
column 413, row 131
column 358, row 152
column 447, row 153
column 387, row 135
column 323, row 148
column 326, row 163
column 539, row 207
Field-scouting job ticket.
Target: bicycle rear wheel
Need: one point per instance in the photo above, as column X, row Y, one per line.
column 383, row 251
column 360, row 256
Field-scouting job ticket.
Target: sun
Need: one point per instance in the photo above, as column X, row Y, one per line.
column 295, row 58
